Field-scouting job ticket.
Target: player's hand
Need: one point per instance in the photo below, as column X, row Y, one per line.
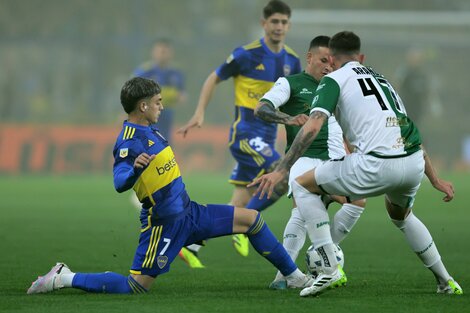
column 298, row 120
column 446, row 187
column 267, row 182
column 143, row 160
column 196, row 121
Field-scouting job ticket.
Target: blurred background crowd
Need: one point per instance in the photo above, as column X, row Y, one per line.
column 63, row 63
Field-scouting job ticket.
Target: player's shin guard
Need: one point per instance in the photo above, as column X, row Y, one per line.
column 294, row 234
column 344, row 220
column 266, row 244
column 108, row 282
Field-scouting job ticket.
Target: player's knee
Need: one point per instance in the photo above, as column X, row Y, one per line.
column 360, row 203
column 244, row 219
column 307, row 181
column 396, row 212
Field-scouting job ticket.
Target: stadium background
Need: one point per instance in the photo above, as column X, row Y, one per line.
column 63, row 64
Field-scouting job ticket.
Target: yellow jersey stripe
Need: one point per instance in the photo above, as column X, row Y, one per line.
column 249, row 90
column 135, row 272
column 149, row 223
column 234, row 133
column 156, row 244
column 152, row 237
column 245, row 146
column 125, row 132
column 164, row 167
column 252, row 45
column 132, row 133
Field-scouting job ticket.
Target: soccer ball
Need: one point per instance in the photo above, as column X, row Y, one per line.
column 314, row 262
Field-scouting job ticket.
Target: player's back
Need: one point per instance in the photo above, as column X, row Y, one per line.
column 371, row 114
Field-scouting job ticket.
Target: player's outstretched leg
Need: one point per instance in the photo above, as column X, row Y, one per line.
column 265, row 243
column 419, row 238
column 60, row 276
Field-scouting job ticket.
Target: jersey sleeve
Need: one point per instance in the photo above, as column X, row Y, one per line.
column 326, row 96
column 124, row 173
column 279, row 94
column 233, row 64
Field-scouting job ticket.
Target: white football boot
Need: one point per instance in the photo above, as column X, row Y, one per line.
column 451, row 287
column 325, row 281
column 51, row 281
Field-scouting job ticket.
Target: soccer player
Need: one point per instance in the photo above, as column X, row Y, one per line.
column 288, row 103
column 388, row 159
column 171, row 80
column 170, row 220
column 254, row 67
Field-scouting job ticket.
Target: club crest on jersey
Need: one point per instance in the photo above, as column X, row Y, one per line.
column 162, row 260
column 123, row 152
column 287, row 69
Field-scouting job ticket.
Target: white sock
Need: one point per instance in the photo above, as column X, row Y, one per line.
column 422, row 244
column 344, row 220
column 294, row 237
column 314, row 213
column 297, row 274
column 66, row 280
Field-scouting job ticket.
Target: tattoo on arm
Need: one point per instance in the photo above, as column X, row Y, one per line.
column 301, row 142
column 268, row 113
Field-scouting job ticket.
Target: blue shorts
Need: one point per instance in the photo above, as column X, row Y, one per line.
column 252, row 146
column 160, row 244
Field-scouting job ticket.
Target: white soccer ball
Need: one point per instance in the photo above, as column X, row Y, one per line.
column 314, row 262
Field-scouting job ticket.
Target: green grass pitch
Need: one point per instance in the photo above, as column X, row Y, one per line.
column 82, row 221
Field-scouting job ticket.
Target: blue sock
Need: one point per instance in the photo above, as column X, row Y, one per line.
column 106, row 283
column 266, row 244
column 259, row 205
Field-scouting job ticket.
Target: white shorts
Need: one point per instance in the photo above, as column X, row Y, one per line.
column 360, row 176
column 301, row 166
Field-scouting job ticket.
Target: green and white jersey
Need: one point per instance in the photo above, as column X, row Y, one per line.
column 369, row 111
column 293, row 95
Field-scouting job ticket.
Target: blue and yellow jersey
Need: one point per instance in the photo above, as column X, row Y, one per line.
column 159, row 186
column 170, row 79
column 255, row 68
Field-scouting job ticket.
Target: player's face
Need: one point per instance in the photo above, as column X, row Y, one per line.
column 162, row 54
column 318, row 64
column 154, row 108
column 276, row 27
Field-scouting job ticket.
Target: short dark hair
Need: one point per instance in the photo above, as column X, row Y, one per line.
column 319, row 41
column 137, row 89
column 345, row 42
column 276, row 6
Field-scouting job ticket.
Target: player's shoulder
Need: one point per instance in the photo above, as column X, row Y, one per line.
column 291, row 51
column 145, row 67
column 252, row 45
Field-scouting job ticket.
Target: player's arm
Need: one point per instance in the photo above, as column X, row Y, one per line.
column 302, row 141
column 266, row 111
column 204, row 97
column 277, row 96
column 440, row 184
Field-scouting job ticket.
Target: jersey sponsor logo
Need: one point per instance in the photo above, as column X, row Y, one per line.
column 162, row 260
column 160, row 172
column 305, row 91
column 123, row 152
column 396, row 122
column 150, row 143
column 287, row 69
column 254, row 95
column 260, row 67
column 166, row 167
column 322, row 224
